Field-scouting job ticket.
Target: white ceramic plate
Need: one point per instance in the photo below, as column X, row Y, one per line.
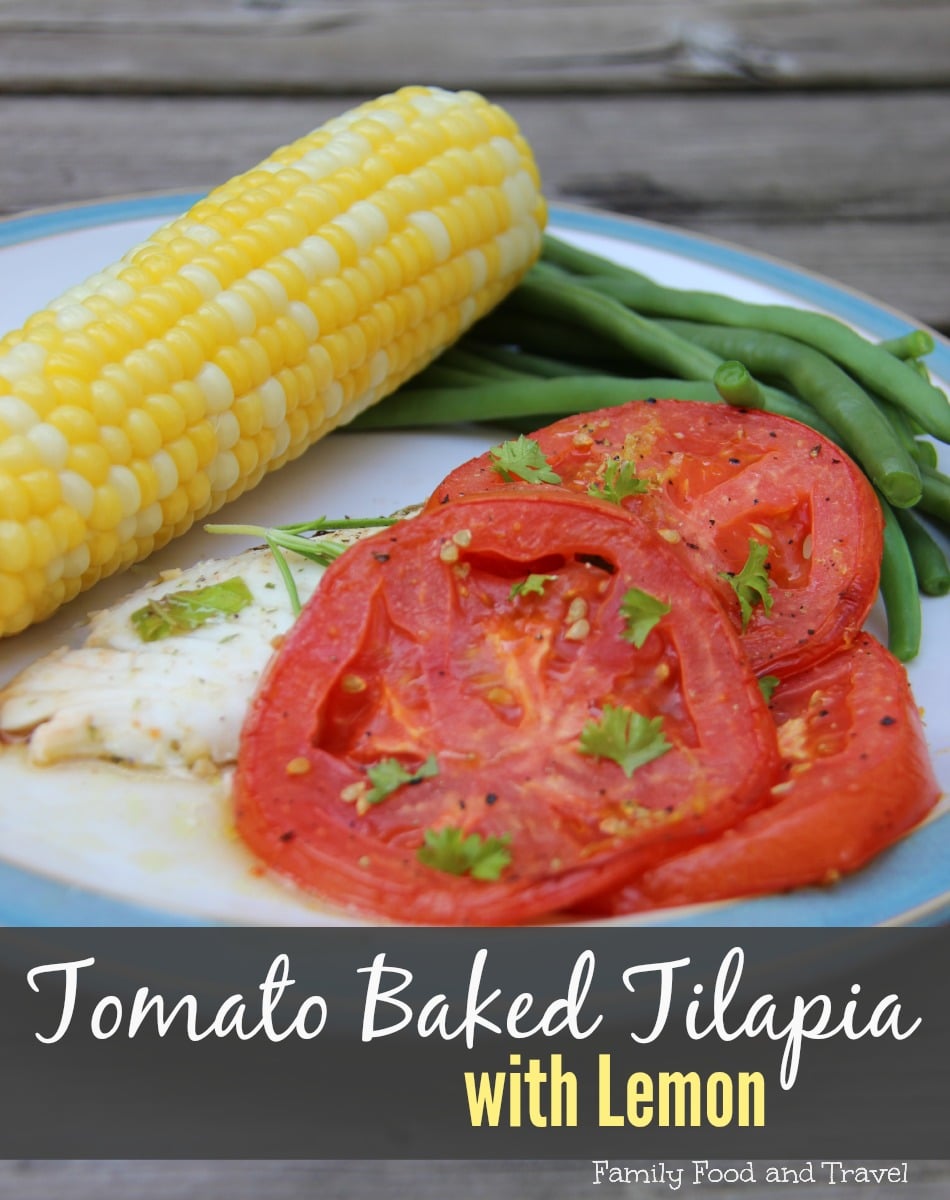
column 65, row 865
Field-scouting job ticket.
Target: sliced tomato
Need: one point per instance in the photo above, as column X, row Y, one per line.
column 856, row 775
column 717, row 480
column 472, row 646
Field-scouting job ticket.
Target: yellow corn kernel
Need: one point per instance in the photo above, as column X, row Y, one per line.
column 233, row 338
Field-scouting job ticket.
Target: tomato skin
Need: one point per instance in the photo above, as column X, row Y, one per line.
column 719, row 476
column 446, row 663
column 856, row 776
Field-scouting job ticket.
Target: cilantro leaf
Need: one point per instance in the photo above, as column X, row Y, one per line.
column 751, row 584
column 522, row 458
column 641, row 611
column 533, row 585
column 448, row 850
column 767, row 686
column 620, row 480
column 626, row 737
column 389, row 774
column 182, row 611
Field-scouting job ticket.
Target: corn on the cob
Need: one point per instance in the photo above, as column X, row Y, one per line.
column 280, row 306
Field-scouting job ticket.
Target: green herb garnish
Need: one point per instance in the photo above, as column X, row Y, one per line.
column 449, row 850
column 751, row 584
column 322, row 551
column 620, row 480
column 767, row 686
column 522, row 458
column 389, row 774
column 624, row 736
column 180, row 612
column 641, row 611
column 533, row 585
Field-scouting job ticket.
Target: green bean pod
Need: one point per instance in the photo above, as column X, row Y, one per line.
column 861, row 428
column 936, row 494
column 874, row 366
column 737, row 387
column 930, row 561
column 537, row 398
column 899, row 590
column 916, row 343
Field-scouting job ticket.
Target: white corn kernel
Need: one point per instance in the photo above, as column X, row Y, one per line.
column 16, row 414
column 217, row 389
column 435, row 233
column 78, row 493
column 204, row 280
column 273, row 403
column 302, row 316
column 166, row 473
column 127, row 488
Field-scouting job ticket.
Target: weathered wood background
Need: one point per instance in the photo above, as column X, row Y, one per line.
column 817, row 131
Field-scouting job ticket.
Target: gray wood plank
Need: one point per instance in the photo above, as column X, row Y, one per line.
column 788, row 177
column 327, row 46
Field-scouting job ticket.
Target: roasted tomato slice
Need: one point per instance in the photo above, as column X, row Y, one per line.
column 487, row 713
column 749, row 497
column 855, row 776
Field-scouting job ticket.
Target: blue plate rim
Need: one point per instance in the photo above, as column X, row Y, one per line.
column 890, row 891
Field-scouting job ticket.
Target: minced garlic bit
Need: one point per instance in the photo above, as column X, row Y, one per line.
column 298, row 766
column 670, row 535
column 462, row 537
column 354, row 791
column 577, row 609
column 578, row 631
column 449, row 553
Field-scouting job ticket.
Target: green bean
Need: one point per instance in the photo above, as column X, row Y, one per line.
column 862, row 429
column 579, row 262
column 916, row 343
column 921, row 368
column 920, row 451
column 553, row 339
column 925, row 453
column 540, row 398
column 930, row 561
column 476, row 364
column 530, row 364
column 936, row 494
column 437, row 374
column 548, row 293
column 899, row 590
column 552, row 292
column 878, row 370
column 737, row 387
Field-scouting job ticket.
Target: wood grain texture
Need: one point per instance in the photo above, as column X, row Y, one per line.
column 327, row 46
column 815, row 131
column 786, row 176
